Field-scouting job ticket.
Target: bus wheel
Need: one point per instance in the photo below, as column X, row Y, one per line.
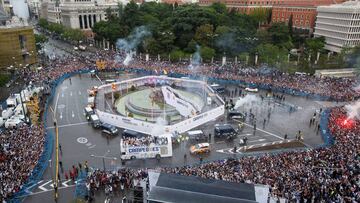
column 158, row 156
column 133, row 157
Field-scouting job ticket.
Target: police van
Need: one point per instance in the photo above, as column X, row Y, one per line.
column 160, row 146
column 225, row 131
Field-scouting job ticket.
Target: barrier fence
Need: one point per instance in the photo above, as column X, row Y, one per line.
column 46, row 155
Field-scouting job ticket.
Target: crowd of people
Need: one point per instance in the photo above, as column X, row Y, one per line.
column 307, row 174
column 328, row 174
column 143, row 141
column 315, row 175
column 116, row 181
column 20, row 150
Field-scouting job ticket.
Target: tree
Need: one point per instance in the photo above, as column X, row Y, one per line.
column 290, row 25
column 219, row 7
column 75, row 35
column 40, row 39
column 270, row 54
column 43, row 23
column 204, row 35
column 176, row 55
column 314, row 45
column 280, row 35
column 207, row 53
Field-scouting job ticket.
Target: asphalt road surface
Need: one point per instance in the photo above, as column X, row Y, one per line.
column 79, row 140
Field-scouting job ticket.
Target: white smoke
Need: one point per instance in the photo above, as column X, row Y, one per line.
column 353, row 110
column 196, row 59
column 129, row 57
column 248, row 99
column 160, row 122
column 129, row 44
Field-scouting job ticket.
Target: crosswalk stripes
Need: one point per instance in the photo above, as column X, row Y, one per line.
column 49, row 185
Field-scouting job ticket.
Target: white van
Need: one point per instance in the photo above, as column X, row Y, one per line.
column 196, row 135
column 7, row 113
column 12, row 122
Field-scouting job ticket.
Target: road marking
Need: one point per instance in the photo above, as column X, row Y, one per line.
column 41, row 187
column 61, row 116
column 82, row 140
column 259, row 140
column 259, row 129
column 92, row 146
column 64, row 183
column 67, row 125
column 98, row 78
column 27, row 190
column 36, row 193
column 70, row 94
column 56, row 104
column 72, row 114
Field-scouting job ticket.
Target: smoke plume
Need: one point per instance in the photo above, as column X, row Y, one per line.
column 248, row 99
column 129, row 44
column 196, row 59
column 353, row 110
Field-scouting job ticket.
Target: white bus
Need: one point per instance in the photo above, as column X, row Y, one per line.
column 143, row 148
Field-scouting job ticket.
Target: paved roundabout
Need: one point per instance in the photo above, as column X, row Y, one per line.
column 79, row 141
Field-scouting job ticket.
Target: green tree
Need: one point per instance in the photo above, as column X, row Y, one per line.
column 75, row 35
column 204, row 35
column 219, row 7
column 314, row 45
column 280, row 35
column 271, row 54
column 207, row 53
column 176, row 55
column 43, row 23
column 40, row 39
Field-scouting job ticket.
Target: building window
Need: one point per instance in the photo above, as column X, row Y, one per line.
column 80, row 22
column 22, row 41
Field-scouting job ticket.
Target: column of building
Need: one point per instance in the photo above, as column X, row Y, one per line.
column 87, row 21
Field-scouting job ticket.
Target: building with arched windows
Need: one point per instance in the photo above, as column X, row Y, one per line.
column 301, row 12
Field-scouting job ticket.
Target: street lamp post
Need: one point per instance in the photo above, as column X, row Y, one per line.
column 104, row 157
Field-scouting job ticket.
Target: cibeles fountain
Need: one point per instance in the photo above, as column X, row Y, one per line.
column 158, row 104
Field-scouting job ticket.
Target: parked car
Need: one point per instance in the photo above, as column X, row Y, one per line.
column 109, row 129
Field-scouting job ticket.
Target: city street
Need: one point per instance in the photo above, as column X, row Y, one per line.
column 79, row 140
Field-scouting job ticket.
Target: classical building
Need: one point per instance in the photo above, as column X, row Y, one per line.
column 339, row 24
column 17, row 42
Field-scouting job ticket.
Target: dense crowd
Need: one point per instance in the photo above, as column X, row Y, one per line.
column 307, row 174
column 20, row 150
column 338, row 89
column 143, row 141
column 315, row 175
column 116, row 181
